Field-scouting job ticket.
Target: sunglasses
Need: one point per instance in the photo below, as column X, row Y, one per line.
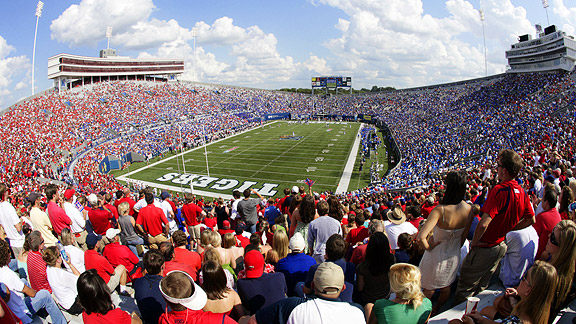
column 553, row 239
column 524, row 278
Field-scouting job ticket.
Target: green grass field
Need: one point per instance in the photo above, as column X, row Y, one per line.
column 260, row 159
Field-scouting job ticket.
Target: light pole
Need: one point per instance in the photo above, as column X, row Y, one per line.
column 194, row 35
column 545, row 5
column 481, row 12
column 108, row 35
column 39, row 8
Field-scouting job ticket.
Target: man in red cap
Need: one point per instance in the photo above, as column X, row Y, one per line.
column 259, row 289
column 225, row 228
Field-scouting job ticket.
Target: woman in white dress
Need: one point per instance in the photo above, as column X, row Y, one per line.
column 450, row 222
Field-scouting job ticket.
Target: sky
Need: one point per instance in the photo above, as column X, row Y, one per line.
column 274, row 44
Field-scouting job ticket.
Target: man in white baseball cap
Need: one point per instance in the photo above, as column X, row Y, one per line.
column 186, row 300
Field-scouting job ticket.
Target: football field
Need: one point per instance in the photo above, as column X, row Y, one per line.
column 270, row 158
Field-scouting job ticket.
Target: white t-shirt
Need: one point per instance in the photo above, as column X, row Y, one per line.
column 76, row 256
column 142, row 203
column 16, row 302
column 9, row 218
column 63, row 284
column 322, row 311
column 393, row 231
column 78, row 222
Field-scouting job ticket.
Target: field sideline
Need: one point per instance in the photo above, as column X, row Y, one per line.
column 269, row 159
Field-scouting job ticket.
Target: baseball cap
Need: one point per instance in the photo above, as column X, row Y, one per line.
column 329, row 278
column 93, row 200
column 254, row 264
column 226, row 224
column 112, row 232
column 165, row 195
column 92, row 239
column 295, row 189
column 33, row 196
column 297, row 243
column 69, row 193
column 196, row 301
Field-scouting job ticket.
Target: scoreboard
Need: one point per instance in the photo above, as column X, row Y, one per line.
column 331, row 82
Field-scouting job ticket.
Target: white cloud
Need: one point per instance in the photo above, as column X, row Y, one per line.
column 396, row 42
column 566, row 14
column 11, row 67
column 222, row 32
column 86, row 23
column 152, row 34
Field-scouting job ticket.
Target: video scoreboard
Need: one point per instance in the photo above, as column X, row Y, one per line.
column 331, row 82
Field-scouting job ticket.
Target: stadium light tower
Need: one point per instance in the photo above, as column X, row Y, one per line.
column 481, row 12
column 194, row 35
column 108, row 35
column 545, row 5
column 39, row 8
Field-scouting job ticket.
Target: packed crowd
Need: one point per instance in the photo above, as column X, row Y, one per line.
column 378, row 257
column 361, row 256
column 64, row 136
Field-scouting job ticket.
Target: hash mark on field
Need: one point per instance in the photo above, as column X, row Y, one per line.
column 189, row 160
column 247, row 136
column 236, row 141
column 311, row 169
column 330, row 145
column 325, row 151
column 334, row 140
column 169, row 168
column 222, row 146
column 337, row 134
column 320, row 158
column 207, row 152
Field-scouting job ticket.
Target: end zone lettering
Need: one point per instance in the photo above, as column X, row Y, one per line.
column 200, row 181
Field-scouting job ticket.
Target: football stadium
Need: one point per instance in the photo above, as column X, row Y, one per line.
column 133, row 194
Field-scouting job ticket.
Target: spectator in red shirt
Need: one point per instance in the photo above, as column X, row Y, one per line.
column 241, row 240
column 546, row 220
column 210, row 221
column 36, row 266
column 507, row 208
column 57, row 215
column 183, row 255
column 113, row 277
column 359, row 253
column 99, row 216
column 192, row 215
column 359, row 233
column 110, row 207
column 413, row 216
column 225, row 228
column 150, row 221
column 167, row 250
column 428, row 205
column 125, row 197
column 118, row 254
